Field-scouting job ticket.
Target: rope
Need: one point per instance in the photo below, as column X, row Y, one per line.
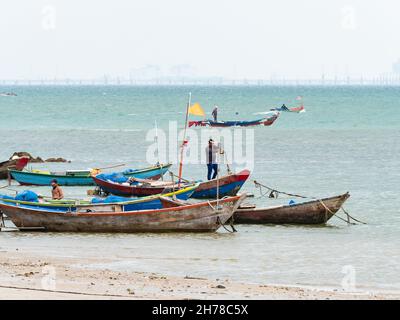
column 274, row 192
column 333, row 214
column 209, row 203
column 2, row 222
column 351, row 216
column 223, row 225
column 326, row 210
column 347, row 221
column 219, row 220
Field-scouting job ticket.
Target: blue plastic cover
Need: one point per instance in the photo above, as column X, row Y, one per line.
column 117, row 177
column 109, row 199
column 4, row 196
column 27, row 195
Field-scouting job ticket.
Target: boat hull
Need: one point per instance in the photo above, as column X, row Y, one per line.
column 311, row 212
column 40, row 179
column 236, row 123
column 199, row 217
column 129, row 191
column 17, row 165
column 225, row 186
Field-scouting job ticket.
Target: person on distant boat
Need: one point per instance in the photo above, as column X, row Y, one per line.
column 214, row 113
column 211, row 156
column 56, row 192
column 284, row 107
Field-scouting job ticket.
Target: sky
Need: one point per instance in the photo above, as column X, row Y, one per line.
column 254, row 39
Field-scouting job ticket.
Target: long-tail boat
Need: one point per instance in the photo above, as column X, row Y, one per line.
column 267, row 121
column 317, row 211
column 199, row 217
column 224, row 186
column 81, row 177
column 16, row 164
column 291, row 109
column 140, row 188
column 127, row 204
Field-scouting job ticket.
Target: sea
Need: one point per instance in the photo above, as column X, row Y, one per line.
column 347, row 140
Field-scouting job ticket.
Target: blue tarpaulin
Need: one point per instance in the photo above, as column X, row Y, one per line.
column 114, row 177
column 26, row 195
column 4, row 196
column 110, row 199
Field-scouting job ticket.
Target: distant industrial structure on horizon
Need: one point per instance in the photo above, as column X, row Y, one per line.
column 384, row 80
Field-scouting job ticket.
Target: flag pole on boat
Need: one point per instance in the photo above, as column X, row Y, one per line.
column 158, row 150
column 184, row 142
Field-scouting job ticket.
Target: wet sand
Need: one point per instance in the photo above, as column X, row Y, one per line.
column 27, row 276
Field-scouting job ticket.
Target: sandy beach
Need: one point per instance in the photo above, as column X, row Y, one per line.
column 25, row 276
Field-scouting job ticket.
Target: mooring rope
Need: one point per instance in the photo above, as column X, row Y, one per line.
column 351, row 217
column 223, row 225
column 274, row 193
column 334, row 214
column 2, row 222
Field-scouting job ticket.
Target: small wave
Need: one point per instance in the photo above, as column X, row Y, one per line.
column 264, row 112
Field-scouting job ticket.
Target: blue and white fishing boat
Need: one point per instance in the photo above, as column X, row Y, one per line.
column 81, row 177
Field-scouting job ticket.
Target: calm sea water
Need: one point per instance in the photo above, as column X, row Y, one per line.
column 348, row 140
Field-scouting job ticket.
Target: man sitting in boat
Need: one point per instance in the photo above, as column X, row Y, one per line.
column 284, row 108
column 214, row 113
column 56, row 192
column 211, row 156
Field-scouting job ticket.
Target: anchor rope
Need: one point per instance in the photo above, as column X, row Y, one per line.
column 2, row 224
column 274, row 192
column 223, row 225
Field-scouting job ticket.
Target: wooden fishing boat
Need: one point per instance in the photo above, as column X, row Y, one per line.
column 311, row 212
column 267, row 121
column 17, row 164
column 227, row 186
column 141, row 189
column 80, row 177
column 292, row 109
column 199, row 217
column 127, row 204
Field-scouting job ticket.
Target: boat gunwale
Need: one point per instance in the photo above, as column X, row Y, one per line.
column 168, row 165
column 133, row 187
column 65, row 205
column 126, row 213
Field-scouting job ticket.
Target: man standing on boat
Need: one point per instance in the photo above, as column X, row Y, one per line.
column 211, row 154
column 214, row 113
column 56, row 192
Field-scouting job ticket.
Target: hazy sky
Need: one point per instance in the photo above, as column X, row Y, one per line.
column 235, row 39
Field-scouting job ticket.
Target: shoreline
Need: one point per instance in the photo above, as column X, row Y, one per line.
column 25, row 276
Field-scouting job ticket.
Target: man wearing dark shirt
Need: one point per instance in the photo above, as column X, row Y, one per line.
column 211, row 156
